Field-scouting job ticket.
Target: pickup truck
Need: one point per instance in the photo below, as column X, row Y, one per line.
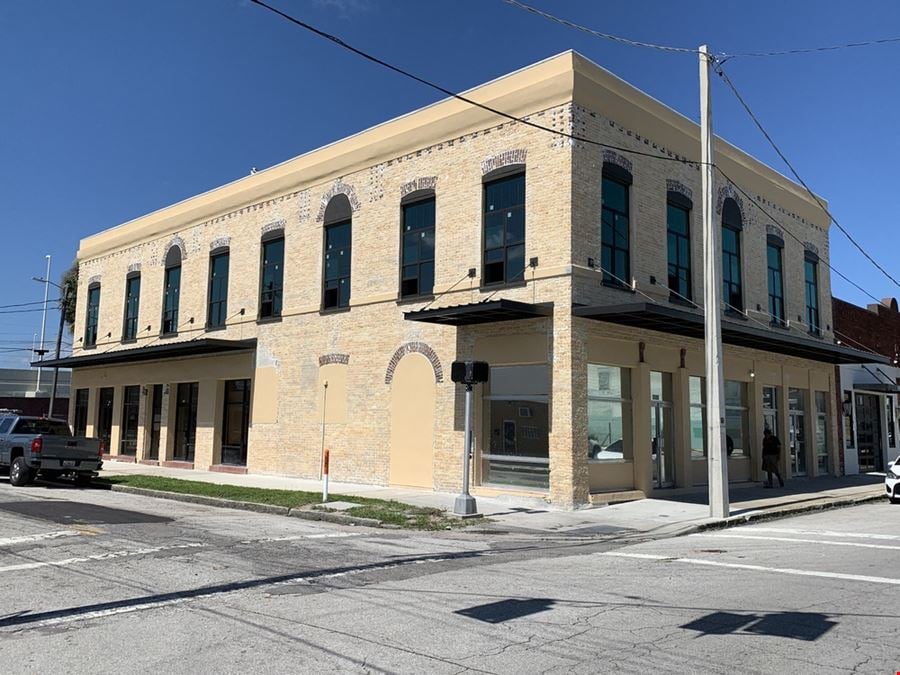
column 32, row 445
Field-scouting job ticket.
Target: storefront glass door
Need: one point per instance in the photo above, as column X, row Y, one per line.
column 868, row 433
column 662, row 446
column 797, row 431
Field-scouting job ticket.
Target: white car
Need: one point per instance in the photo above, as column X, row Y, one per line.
column 892, row 481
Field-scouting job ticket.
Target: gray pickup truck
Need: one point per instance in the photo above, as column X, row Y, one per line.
column 29, row 445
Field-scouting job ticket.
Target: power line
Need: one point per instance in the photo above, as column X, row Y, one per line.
column 718, row 68
column 596, row 33
column 452, row 94
column 794, row 236
column 688, row 50
column 27, row 304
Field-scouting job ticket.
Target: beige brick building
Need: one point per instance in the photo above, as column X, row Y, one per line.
column 320, row 303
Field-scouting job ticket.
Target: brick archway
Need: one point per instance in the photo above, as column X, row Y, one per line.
column 414, row 348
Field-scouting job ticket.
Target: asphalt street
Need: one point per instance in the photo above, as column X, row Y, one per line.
column 99, row 582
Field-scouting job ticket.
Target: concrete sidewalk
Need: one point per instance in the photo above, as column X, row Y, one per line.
column 658, row 517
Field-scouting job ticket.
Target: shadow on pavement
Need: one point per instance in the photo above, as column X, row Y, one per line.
column 504, row 610
column 808, row 626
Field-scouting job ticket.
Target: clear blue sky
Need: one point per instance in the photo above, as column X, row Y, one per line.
column 110, row 110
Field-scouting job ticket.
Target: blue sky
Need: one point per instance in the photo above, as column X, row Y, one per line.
column 113, row 109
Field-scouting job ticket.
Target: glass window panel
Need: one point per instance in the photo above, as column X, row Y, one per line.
column 493, row 231
column 520, row 380
column 515, row 226
column 515, row 263
column 411, row 247
column 426, row 278
column 614, row 195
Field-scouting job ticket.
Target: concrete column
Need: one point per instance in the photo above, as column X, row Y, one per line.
column 116, row 434
column 93, row 402
column 681, row 404
column 783, row 430
column 757, row 423
column 569, row 478
column 812, row 462
column 640, row 420
column 167, row 420
column 143, row 431
column 206, row 423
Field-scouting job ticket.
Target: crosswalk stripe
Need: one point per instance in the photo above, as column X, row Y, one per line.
column 26, row 538
column 794, row 540
column 826, row 533
column 99, row 556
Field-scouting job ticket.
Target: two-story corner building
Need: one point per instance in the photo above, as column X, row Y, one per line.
column 869, row 393
column 320, row 303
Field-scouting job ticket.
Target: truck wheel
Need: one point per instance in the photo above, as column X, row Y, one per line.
column 83, row 479
column 20, row 473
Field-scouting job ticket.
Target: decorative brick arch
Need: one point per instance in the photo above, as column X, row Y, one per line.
column 610, row 157
column 505, row 158
column 728, row 191
column 680, row 188
column 339, row 188
column 174, row 241
column 421, row 183
column 414, row 348
column 342, row 359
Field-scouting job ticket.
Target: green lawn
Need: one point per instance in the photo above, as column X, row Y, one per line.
column 388, row 512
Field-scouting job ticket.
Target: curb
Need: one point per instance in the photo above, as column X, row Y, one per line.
column 784, row 512
column 305, row 514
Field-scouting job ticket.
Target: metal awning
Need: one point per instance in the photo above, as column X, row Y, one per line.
column 877, row 388
column 734, row 332
column 491, row 311
column 170, row 350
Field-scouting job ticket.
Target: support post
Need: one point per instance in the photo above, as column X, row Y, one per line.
column 325, row 477
column 465, row 503
column 715, row 395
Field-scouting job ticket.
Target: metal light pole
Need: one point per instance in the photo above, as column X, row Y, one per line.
column 465, row 503
column 712, row 300
column 63, row 304
column 37, row 387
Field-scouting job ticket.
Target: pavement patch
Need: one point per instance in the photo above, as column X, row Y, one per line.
column 68, row 512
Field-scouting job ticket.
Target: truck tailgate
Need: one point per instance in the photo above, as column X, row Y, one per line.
column 78, row 448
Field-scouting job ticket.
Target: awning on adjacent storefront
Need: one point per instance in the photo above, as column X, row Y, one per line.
column 481, row 312
column 169, row 350
column 734, row 332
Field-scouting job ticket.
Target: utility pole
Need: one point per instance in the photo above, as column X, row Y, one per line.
column 712, row 302
column 62, row 321
column 37, row 387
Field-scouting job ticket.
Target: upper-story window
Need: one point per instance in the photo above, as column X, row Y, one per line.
column 504, row 226
column 732, row 224
column 338, row 253
column 132, row 304
column 171, row 291
column 615, row 240
column 417, row 257
column 678, row 241
column 217, row 307
column 811, row 275
column 93, row 315
column 774, row 259
column 271, row 286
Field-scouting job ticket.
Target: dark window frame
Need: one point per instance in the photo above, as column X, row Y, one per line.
column 417, row 198
column 131, row 403
column 504, row 174
column 216, row 305
column 92, row 315
column 612, row 276
column 811, row 293
column 106, row 399
column 777, row 310
column 244, row 405
column 185, row 441
column 678, row 201
column 130, row 318
column 80, row 417
column 729, row 284
column 272, row 307
column 168, row 326
column 338, row 213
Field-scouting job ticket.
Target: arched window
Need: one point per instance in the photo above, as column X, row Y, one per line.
column 615, row 244
column 417, row 244
column 271, row 285
column 732, row 224
column 132, row 304
column 811, row 283
column 171, row 291
column 93, row 315
column 504, row 226
column 678, row 243
column 337, row 255
column 217, row 305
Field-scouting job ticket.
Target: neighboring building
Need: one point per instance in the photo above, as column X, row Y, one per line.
column 321, row 302
column 18, row 391
column 868, row 392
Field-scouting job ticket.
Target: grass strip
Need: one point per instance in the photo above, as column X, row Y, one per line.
column 387, row 511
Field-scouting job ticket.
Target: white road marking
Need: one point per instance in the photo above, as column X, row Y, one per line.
column 24, row 539
column 827, row 533
column 794, row 540
column 99, row 556
column 296, row 537
column 758, row 568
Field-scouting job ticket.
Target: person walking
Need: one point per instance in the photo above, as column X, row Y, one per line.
column 771, row 453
